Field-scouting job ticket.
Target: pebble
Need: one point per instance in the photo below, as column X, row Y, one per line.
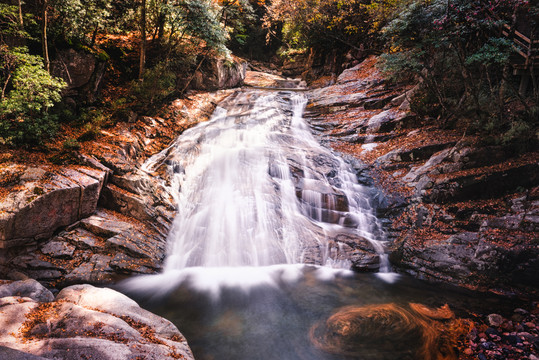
column 495, row 320
column 497, row 338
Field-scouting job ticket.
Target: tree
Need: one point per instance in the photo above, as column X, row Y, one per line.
column 24, row 116
column 142, row 61
column 44, row 41
column 458, row 50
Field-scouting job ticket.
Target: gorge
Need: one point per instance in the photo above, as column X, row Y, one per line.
column 259, row 198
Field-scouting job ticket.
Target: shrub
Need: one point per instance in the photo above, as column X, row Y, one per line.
column 157, row 83
column 24, row 110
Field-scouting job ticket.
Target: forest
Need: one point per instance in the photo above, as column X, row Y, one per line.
column 151, row 48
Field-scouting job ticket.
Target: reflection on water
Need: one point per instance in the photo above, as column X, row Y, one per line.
column 312, row 313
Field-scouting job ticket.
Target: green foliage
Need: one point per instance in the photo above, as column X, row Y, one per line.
column 158, row 83
column 454, row 49
column 78, row 20
column 30, row 91
column 495, row 52
column 71, row 144
column 196, row 23
column 9, row 22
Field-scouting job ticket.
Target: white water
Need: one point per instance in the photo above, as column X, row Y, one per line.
column 254, row 188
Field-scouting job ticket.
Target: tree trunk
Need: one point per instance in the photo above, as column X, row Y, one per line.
column 21, row 21
column 94, row 36
column 44, row 35
column 161, row 27
column 143, row 40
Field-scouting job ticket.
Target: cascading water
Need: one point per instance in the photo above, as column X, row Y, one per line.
column 257, row 197
column 254, row 188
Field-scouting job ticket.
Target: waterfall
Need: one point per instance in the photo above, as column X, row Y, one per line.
column 255, row 188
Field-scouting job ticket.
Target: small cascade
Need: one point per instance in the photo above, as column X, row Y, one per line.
column 255, row 188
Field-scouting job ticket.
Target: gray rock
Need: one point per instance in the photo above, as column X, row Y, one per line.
column 48, row 201
column 27, row 288
column 105, row 225
column 495, row 320
column 58, row 249
column 88, row 322
column 12, row 354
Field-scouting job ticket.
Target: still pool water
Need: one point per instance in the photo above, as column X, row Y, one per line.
column 284, row 312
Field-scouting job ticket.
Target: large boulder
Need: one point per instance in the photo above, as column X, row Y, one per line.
column 220, row 74
column 81, row 70
column 42, row 200
column 87, row 322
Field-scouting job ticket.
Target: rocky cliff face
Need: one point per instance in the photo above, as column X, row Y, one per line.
column 102, row 219
column 98, row 220
column 454, row 210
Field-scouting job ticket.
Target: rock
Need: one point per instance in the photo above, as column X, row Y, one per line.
column 58, row 249
column 81, row 70
column 12, row 354
column 82, row 273
column 128, row 265
column 105, row 225
column 83, row 239
column 485, row 186
column 125, row 202
column 27, row 288
column 495, row 320
column 426, row 168
column 88, row 322
column 46, row 202
column 220, row 74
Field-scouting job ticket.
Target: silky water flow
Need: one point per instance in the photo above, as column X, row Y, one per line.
column 260, row 250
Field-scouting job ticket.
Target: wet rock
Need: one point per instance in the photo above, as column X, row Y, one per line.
column 89, row 322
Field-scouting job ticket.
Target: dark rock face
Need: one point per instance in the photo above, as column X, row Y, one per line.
column 454, row 211
column 82, row 322
column 82, row 72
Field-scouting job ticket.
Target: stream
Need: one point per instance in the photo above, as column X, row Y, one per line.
column 269, row 225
